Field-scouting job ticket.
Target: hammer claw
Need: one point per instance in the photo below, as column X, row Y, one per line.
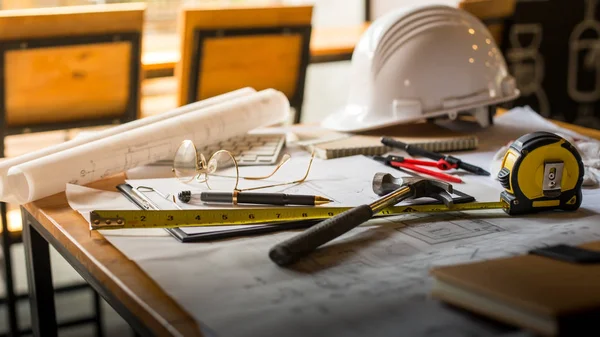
column 385, row 183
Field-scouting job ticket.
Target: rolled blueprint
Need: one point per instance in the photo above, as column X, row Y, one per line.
column 5, row 165
column 98, row 159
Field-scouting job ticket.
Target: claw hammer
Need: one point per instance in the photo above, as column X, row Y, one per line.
column 393, row 190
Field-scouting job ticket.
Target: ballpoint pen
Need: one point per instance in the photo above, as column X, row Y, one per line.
column 144, row 203
column 253, row 198
column 452, row 161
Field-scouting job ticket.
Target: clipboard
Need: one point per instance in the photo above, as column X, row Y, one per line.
column 184, row 237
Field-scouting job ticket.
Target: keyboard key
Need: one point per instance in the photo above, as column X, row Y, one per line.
column 261, row 152
column 246, row 157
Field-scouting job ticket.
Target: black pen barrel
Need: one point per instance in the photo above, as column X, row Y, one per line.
column 259, row 198
column 275, row 199
column 299, row 199
column 226, row 197
column 410, row 149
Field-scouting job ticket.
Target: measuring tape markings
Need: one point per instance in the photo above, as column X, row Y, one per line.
column 112, row 219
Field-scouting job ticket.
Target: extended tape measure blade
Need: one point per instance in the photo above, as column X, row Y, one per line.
column 109, row 219
column 112, row 219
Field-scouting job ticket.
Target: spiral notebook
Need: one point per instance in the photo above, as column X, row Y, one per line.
column 429, row 136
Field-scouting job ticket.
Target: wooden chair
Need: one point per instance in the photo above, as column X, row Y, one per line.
column 69, row 67
column 230, row 48
column 62, row 68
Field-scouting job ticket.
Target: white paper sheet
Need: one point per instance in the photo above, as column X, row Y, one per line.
column 150, row 143
column 5, row 165
column 347, row 181
column 84, row 200
column 372, row 281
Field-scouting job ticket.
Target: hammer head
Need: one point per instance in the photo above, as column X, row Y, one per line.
column 385, row 183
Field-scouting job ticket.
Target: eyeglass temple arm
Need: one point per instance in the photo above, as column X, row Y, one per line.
column 284, row 160
column 288, row 183
column 312, row 156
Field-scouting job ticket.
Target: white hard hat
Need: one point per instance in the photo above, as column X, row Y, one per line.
column 422, row 62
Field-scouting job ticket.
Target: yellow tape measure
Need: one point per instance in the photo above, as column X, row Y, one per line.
column 111, row 219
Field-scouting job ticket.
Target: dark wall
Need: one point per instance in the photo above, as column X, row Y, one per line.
column 553, row 49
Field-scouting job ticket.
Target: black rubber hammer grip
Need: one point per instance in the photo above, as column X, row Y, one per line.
column 289, row 251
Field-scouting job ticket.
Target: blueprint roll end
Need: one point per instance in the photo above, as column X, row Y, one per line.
column 18, row 184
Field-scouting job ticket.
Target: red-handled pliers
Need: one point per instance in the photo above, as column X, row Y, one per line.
column 441, row 164
column 414, row 164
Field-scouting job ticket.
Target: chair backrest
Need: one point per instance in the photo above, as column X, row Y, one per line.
column 223, row 49
column 493, row 13
column 67, row 67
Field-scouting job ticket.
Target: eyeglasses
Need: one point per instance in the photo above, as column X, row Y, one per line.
column 221, row 171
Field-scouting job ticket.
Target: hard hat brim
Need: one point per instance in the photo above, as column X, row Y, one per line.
column 362, row 120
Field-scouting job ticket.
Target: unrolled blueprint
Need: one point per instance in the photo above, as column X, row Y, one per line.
column 372, row 281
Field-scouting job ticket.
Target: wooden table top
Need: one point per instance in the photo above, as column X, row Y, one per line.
column 333, row 41
column 140, row 294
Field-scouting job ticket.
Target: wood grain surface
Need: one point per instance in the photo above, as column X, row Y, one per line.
column 332, row 41
column 50, row 85
column 68, row 83
column 268, row 61
column 121, row 276
column 326, row 42
column 71, row 20
column 211, row 18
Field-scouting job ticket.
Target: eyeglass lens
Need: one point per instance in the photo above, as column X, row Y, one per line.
column 185, row 162
column 222, row 172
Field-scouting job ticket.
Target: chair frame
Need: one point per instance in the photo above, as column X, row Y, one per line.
column 367, row 10
column 200, row 35
column 130, row 114
column 131, row 111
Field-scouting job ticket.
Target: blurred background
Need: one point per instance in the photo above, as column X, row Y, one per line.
column 552, row 48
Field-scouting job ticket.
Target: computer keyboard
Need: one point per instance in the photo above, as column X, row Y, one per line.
column 248, row 150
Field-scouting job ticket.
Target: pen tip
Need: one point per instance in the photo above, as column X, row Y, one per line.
column 321, row 200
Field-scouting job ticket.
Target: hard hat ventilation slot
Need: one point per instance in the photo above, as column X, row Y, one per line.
column 413, row 24
column 408, row 18
column 411, row 33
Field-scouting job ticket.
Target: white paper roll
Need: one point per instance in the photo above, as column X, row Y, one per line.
column 98, row 159
column 5, row 165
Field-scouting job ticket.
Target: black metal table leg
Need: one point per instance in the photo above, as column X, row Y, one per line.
column 39, row 277
column 98, row 312
column 11, row 297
